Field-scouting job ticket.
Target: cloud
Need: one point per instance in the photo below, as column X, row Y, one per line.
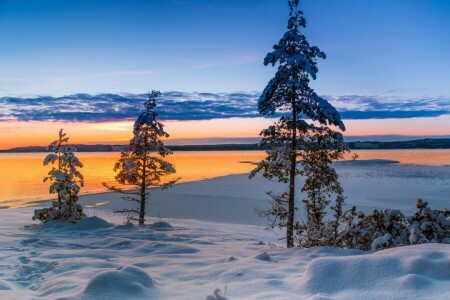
column 201, row 106
column 232, row 60
column 111, row 107
column 382, row 107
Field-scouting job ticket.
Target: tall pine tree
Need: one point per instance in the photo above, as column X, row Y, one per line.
column 142, row 163
column 304, row 115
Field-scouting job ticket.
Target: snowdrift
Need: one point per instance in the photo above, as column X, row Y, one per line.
column 410, row 272
column 188, row 259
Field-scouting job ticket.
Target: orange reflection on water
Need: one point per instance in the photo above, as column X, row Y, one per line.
column 407, row 156
column 21, row 174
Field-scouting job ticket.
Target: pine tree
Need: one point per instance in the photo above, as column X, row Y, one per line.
column 289, row 93
column 142, row 163
column 318, row 149
column 65, row 180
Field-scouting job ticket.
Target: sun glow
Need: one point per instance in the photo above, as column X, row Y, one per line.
column 21, row 134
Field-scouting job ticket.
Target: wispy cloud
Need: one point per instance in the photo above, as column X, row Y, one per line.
column 383, row 107
column 232, row 60
column 151, row 71
column 112, row 107
column 201, row 106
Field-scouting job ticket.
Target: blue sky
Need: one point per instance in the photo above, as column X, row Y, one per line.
column 85, row 65
column 374, row 47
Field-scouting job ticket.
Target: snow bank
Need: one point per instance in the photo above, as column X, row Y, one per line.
column 400, row 273
column 195, row 258
column 90, row 223
column 161, row 225
column 263, row 257
column 123, row 283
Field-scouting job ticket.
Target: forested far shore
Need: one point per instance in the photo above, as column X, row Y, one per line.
column 366, row 145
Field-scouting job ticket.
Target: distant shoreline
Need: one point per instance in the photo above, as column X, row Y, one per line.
column 365, row 145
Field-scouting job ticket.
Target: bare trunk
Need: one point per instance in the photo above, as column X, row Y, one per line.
column 143, row 191
column 291, row 208
column 142, row 202
column 142, row 208
column 59, row 168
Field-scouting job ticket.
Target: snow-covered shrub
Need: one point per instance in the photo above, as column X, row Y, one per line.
column 390, row 228
column 428, row 225
column 65, row 181
column 142, row 164
column 381, row 229
column 289, row 93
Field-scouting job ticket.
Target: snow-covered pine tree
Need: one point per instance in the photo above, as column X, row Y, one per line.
column 289, row 93
column 429, row 225
column 142, row 163
column 318, row 148
column 65, row 180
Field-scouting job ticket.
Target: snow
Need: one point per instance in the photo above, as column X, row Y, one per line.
column 233, row 199
column 205, row 237
column 122, row 283
column 380, row 241
column 412, row 272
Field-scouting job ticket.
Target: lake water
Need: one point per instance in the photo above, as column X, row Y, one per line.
column 21, row 174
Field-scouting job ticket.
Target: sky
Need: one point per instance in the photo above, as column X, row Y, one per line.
column 86, row 66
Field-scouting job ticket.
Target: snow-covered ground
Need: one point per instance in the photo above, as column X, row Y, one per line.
column 216, row 241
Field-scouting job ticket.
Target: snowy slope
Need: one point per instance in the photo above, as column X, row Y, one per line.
column 98, row 259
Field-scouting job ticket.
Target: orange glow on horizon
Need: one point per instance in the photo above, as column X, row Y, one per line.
column 21, row 134
column 412, row 126
column 98, row 168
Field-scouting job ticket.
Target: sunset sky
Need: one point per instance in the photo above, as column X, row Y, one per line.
column 85, row 66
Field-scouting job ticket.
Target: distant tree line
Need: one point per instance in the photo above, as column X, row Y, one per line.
column 368, row 145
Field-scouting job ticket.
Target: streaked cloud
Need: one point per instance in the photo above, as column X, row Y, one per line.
column 201, row 106
column 357, row 107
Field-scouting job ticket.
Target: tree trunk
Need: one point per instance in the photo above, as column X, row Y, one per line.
column 143, row 191
column 291, row 208
column 142, row 208
column 59, row 168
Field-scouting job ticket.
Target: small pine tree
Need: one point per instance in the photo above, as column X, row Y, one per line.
column 142, row 163
column 289, row 93
column 65, row 180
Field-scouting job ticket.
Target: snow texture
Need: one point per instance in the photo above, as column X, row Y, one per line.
column 113, row 261
column 411, row 272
